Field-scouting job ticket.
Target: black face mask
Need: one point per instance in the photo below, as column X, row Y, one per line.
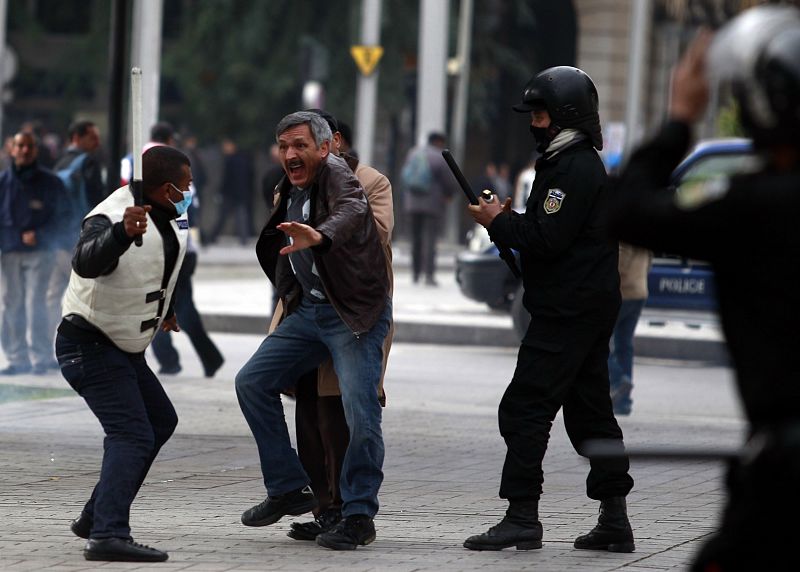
column 544, row 135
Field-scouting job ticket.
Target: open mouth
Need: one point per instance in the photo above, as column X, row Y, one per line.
column 296, row 169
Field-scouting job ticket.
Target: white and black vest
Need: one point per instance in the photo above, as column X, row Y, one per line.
column 124, row 304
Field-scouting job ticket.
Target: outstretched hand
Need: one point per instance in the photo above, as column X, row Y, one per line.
column 689, row 89
column 301, row 235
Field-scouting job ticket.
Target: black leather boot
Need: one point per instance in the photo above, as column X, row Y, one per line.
column 520, row 527
column 613, row 531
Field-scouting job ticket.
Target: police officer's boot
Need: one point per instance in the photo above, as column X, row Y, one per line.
column 520, row 527
column 613, row 531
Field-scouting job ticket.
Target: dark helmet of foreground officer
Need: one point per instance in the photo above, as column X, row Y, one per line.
column 758, row 52
column 569, row 97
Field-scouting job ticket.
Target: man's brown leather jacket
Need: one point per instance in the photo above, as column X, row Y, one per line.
column 351, row 262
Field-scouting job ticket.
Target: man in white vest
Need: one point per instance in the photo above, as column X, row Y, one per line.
column 118, row 297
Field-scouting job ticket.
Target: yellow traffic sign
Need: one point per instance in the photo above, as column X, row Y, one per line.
column 366, row 57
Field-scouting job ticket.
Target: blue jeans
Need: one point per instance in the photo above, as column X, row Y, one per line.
column 136, row 415
column 24, row 277
column 620, row 358
column 302, row 342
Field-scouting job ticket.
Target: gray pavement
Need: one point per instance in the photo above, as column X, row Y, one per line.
column 443, row 461
column 234, row 296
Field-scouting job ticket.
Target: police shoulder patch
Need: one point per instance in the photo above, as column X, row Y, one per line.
column 553, row 201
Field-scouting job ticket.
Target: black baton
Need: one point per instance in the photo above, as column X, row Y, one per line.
column 504, row 251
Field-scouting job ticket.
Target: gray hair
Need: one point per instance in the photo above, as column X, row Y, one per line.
column 320, row 130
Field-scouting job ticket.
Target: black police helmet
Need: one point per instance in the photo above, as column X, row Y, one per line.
column 759, row 53
column 570, row 98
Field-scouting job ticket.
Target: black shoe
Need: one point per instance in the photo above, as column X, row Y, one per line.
column 322, row 523
column 431, row 282
column 211, row 368
column 506, row 534
column 170, row 369
column 349, row 533
column 270, row 511
column 121, row 550
column 81, row 526
column 613, row 531
column 15, row 370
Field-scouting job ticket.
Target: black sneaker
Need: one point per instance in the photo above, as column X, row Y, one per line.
column 81, row 526
column 349, row 533
column 121, row 550
column 326, row 520
column 271, row 510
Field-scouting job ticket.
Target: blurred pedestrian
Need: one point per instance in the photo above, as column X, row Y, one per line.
column 119, row 296
column 272, row 177
column 634, row 264
column 569, row 274
column 162, row 133
column 428, row 186
column 524, row 182
column 81, row 175
column 236, row 192
column 47, row 155
column 321, row 425
column 322, row 251
column 84, row 141
column 746, row 227
column 29, row 195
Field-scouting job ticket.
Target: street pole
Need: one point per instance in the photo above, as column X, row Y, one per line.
column 434, row 17
column 367, row 85
column 117, row 57
column 459, row 120
column 432, row 69
column 146, row 54
column 641, row 11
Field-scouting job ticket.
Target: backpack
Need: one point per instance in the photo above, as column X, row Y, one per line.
column 76, row 205
column 417, row 175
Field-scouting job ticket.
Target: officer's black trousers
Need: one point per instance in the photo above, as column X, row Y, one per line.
column 563, row 362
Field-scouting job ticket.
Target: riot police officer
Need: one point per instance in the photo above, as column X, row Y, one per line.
column 747, row 227
column 571, row 285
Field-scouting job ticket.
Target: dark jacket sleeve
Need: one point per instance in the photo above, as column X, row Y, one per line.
column 346, row 203
column 644, row 210
column 99, row 247
column 544, row 235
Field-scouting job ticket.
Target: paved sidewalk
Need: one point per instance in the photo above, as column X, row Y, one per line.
column 233, row 295
column 442, row 468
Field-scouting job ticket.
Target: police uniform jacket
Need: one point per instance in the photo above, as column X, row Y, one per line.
column 747, row 228
column 569, row 265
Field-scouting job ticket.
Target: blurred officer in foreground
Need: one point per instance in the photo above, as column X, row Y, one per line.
column 569, row 272
column 747, row 227
column 118, row 297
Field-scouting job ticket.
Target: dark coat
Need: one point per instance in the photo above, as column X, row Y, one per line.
column 569, row 265
column 28, row 201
